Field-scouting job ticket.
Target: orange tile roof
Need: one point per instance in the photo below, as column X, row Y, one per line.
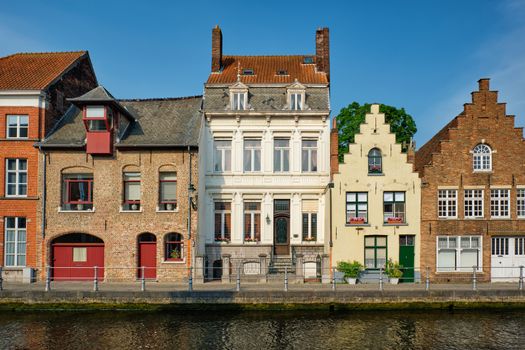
column 265, row 70
column 34, row 71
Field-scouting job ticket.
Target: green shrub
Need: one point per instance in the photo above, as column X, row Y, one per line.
column 350, row 269
column 393, row 269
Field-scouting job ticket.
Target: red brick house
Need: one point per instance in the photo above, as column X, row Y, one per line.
column 473, row 194
column 119, row 178
column 33, row 92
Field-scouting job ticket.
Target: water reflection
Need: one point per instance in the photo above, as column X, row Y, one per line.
column 263, row 330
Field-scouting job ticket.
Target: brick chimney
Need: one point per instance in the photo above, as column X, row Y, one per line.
column 322, row 51
column 334, row 148
column 411, row 152
column 216, row 49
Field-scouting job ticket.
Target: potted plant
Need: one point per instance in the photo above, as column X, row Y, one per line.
column 175, row 255
column 395, row 220
column 351, row 270
column 393, row 271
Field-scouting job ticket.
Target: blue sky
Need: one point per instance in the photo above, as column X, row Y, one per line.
column 425, row 56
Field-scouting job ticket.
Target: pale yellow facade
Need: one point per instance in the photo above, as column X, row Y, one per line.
column 382, row 225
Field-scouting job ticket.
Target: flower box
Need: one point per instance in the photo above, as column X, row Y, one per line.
column 220, row 239
column 356, row 221
column 394, row 220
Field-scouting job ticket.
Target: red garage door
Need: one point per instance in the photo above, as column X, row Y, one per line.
column 75, row 257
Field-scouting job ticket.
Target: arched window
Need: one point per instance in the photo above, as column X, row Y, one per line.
column 375, row 165
column 174, row 247
column 482, row 158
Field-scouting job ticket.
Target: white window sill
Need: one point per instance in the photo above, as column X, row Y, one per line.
column 76, row 211
column 480, row 271
column 14, row 196
column 130, row 211
column 174, row 262
column 166, row 211
column 500, row 217
column 376, row 174
column 474, row 218
column 447, row 217
column 251, row 242
column 396, row 224
column 309, row 242
column 482, row 171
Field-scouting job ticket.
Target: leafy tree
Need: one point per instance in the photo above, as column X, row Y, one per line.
column 351, row 117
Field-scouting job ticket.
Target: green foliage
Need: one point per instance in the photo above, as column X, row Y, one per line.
column 350, row 269
column 351, row 117
column 393, row 269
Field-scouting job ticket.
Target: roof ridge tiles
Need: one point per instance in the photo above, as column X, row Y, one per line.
column 158, row 99
column 43, row 53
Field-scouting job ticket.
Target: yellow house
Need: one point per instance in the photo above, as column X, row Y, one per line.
column 376, row 202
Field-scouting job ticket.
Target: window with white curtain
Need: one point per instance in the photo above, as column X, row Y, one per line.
column 131, row 191
column 15, row 241
column 458, row 253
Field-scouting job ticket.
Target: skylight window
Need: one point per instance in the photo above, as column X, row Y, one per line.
column 308, row 60
column 282, row 72
column 248, row 71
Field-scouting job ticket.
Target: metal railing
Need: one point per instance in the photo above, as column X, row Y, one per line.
column 238, row 277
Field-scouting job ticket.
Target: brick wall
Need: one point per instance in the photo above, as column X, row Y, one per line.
column 120, row 230
column 483, row 120
column 21, row 207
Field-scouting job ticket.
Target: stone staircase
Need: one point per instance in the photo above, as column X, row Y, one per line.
column 279, row 265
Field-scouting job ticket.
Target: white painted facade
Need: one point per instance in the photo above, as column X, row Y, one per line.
column 238, row 186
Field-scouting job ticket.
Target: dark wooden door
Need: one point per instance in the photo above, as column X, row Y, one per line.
column 282, row 236
column 148, row 259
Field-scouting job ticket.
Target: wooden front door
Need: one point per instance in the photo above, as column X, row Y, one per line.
column 406, row 257
column 148, row 259
column 281, row 227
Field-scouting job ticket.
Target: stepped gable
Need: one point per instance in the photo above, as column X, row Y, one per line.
column 484, row 109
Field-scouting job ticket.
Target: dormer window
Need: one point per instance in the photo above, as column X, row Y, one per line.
column 239, row 100
column 296, row 96
column 97, row 118
column 296, row 101
column 248, row 71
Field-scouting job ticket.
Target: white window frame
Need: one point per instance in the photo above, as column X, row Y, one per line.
column 18, row 126
column 17, row 171
column 253, row 150
column 458, row 248
column 239, row 100
column 281, row 150
column 520, row 203
column 471, row 203
column 252, row 213
column 481, row 159
column 296, row 100
column 447, row 204
column 223, row 150
column 310, row 150
column 17, row 230
column 499, row 203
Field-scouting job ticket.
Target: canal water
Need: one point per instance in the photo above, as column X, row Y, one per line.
column 263, row 330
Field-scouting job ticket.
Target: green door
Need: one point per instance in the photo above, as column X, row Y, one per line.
column 406, row 257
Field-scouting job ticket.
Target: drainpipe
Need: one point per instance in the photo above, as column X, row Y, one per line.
column 190, row 191
column 44, row 192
